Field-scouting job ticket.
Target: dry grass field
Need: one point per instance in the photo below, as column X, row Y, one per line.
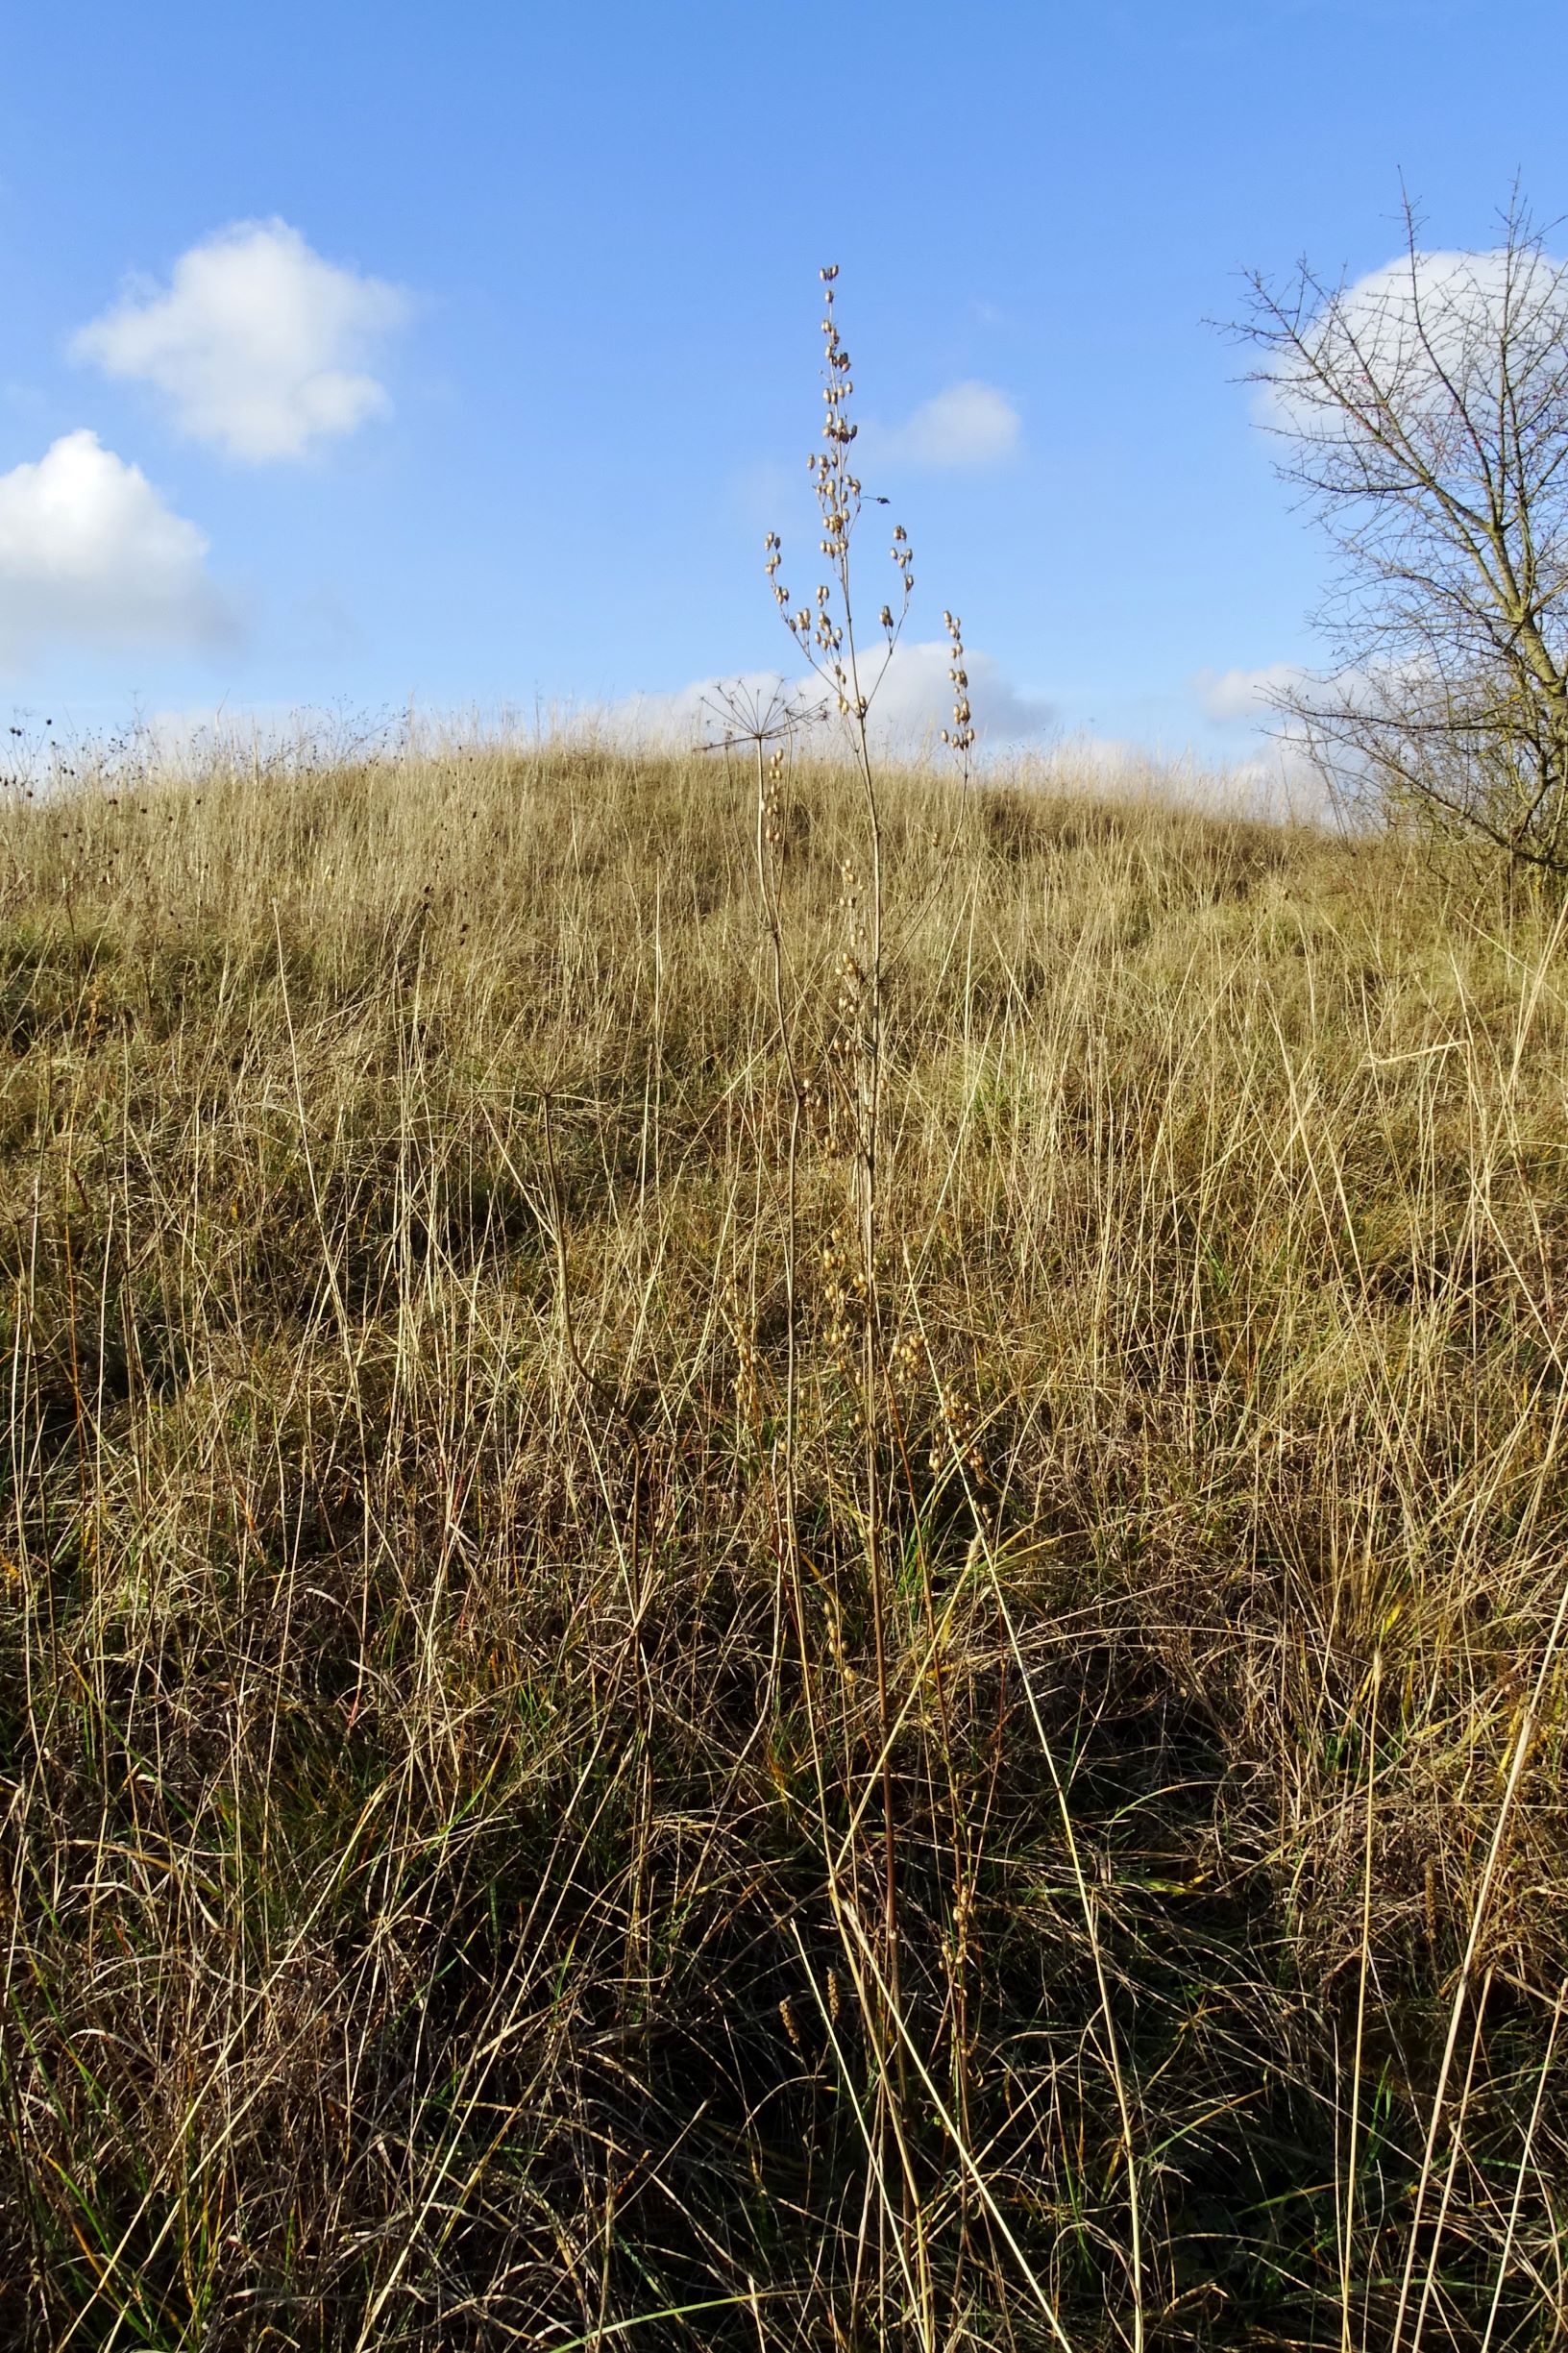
column 583, row 1768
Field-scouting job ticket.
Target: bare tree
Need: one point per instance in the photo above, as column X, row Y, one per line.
column 1423, row 410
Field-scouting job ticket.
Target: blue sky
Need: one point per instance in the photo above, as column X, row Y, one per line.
column 534, row 459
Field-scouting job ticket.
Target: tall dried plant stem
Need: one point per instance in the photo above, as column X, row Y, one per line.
column 825, row 633
column 768, row 841
column 766, row 727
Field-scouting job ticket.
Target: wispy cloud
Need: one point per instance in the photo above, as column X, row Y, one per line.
column 90, row 554
column 259, row 346
column 1244, row 698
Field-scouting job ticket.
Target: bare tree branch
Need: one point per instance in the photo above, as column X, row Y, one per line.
column 1423, row 411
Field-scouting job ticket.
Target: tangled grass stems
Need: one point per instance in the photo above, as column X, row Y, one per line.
column 444, row 1757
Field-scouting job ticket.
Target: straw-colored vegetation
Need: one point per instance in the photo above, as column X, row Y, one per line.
column 536, row 1811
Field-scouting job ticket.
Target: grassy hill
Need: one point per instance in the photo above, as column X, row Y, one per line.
column 582, row 1767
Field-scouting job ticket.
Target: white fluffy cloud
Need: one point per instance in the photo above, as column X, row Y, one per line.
column 90, row 553
column 910, row 708
column 261, row 347
column 1244, row 698
column 915, row 702
column 1428, row 324
column 967, row 427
